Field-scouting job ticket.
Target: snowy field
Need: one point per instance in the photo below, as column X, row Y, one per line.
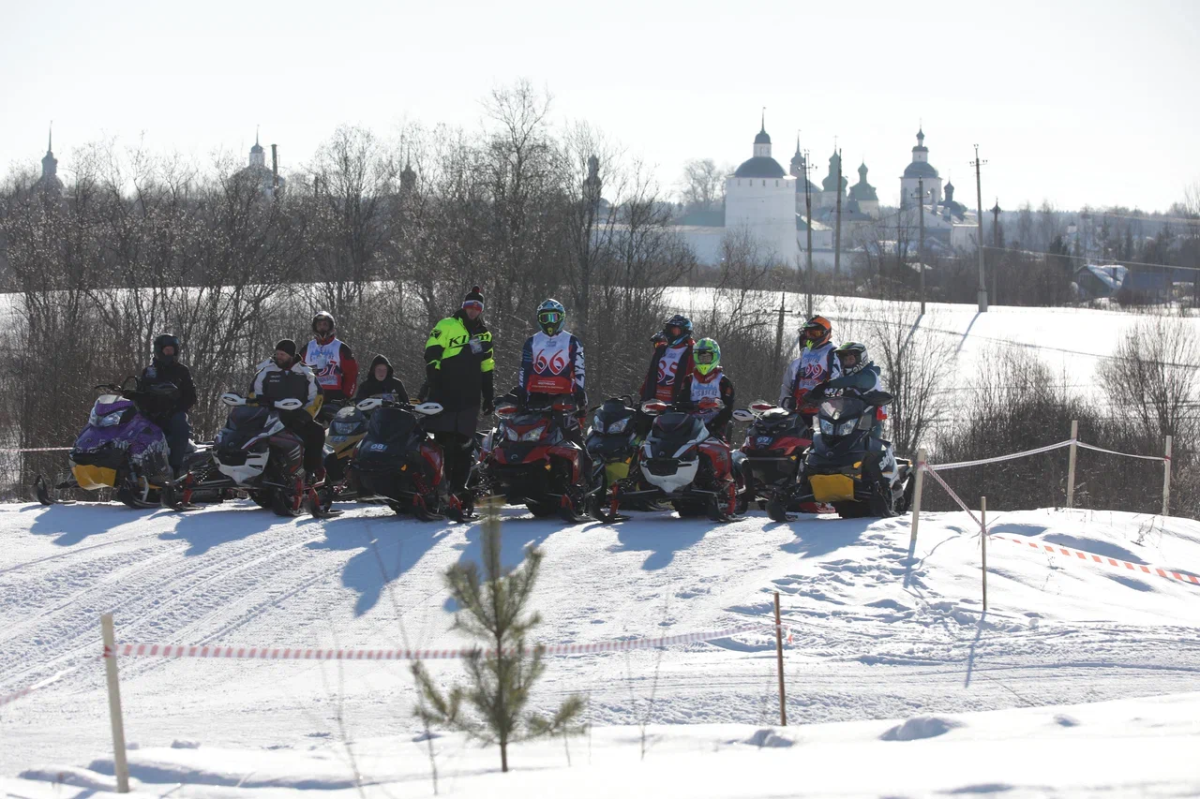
column 887, row 645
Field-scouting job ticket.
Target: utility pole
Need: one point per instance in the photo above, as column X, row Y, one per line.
column 995, row 251
column 808, row 210
column 921, row 237
column 837, row 244
column 983, row 297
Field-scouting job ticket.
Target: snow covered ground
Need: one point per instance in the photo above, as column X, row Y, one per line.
column 880, row 637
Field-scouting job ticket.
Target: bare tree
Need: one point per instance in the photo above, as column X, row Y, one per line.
column 703, row 184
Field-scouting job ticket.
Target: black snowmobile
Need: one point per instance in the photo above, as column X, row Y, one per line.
column 848, row 467
column 612, row 443
column 397, row 461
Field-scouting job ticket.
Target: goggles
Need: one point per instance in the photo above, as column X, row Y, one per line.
column 848, row 359
column 674, row 331
column 550, row 317
column 814, row 331
column 705, row 356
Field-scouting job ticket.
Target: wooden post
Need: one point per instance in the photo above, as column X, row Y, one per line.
column 1166, row 509
column 120, row 764
column 916, row 501
column 779, row 663
column 983, row 537
column 1071, row 464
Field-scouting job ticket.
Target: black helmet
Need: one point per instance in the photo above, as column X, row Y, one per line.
column 328, row 317
column 857, row 353
column 683, row 326
column 161, row 343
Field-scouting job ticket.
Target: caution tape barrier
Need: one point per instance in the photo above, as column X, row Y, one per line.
column 1143, row 568
column 303, row 653
column 13, row 451
column 29, row 689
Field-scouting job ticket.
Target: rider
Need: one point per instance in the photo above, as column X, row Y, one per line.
column 672, row 357
column 331, row 361
column 816, row 364
column 708, row 380
column 459, row 374
column 552, row 364
column 859, row 372
column 382, row 382
column 284, row 377
column 170, row 412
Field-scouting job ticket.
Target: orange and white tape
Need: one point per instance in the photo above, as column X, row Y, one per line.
column 1141, row 568
column 303, row 653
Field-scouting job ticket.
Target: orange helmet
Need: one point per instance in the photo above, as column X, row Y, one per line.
column 816, row 331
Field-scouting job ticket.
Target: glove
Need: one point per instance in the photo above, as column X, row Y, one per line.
column 489, row 406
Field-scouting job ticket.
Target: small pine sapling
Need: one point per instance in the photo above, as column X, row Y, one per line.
column 501, row 673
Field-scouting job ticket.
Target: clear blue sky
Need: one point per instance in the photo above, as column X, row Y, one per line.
column 1077, row 102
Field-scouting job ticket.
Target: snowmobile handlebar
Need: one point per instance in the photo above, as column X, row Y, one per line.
column 422, row 409
column 656, row 407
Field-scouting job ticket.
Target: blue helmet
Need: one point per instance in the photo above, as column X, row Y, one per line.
column 677, row 329
column 551, row 315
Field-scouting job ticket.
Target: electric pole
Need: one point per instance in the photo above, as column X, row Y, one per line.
column 808, row 211
column 983, row 297
column 921, row 237
column 837, row 244
column 995, row 251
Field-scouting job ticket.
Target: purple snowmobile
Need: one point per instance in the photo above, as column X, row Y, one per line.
column 119, row 449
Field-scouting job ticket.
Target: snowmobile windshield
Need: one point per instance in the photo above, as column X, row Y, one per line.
column 348, row 422
column 677, row 428
column 389, row 425
column 245, row 422
column 840, row 409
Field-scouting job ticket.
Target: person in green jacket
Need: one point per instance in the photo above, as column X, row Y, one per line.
column 459, row 370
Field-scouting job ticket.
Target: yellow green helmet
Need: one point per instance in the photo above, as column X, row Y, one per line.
column 707, row 355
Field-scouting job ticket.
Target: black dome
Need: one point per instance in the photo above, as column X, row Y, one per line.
column 760, row 167
column 762, row 138
column 920, row 169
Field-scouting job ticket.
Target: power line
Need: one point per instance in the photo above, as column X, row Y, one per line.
column 1122, row 262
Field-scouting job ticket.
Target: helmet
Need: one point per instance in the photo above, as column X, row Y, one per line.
column 682, row 327
column 707, row 354
column 328, row 317
column 857, row 353
column 816, row 331
column 551, row 315
column 164, row 341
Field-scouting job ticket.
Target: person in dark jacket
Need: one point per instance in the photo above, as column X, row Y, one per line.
column 382, row 382
column 459, row 375
column 170, row 410
column 285, row 377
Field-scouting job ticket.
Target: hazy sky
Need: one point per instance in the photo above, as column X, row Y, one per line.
column 1077, row 102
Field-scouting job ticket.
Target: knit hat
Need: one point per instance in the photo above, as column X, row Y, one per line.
column 473, row 296
column 288, row 346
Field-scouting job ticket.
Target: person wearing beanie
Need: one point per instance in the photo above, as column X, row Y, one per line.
column 459, row 373
column 381, row 382
column 284, row 377
column 169, row 410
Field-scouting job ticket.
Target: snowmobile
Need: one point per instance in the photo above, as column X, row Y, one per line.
column 347, row 427
column 773, row 451
column 528, row 458
column 612, row 444
column 120, row 449
column 253, row 452
column 846, row 466
column 397, row 462
column 686, row 465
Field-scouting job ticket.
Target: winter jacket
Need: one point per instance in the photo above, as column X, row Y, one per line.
column 334, row 366
column 390, row 387
column 458, row 363
column 158, row 373
column 273, row 383
column 866, row 379
column 717, row 386
column 669, row 368
column 815, row 365
column 552, row 365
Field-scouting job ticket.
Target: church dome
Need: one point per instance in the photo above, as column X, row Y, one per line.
column 920, row 169
column 760, row 167
column 762, row 137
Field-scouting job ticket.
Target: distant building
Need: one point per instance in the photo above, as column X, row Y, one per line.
column 259, row 174
column 864, row 193
column 49, row 181
column 919, row 169
column 761, row 199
